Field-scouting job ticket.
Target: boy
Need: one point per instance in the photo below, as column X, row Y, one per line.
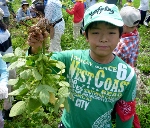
column 98, row 79
column 128, row 47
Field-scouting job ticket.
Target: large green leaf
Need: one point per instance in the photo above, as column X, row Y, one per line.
column 44, row 96
column 33, row 104
column 8, row 57
column 49, row 88
column 12, row 81
column 19, row 91
column 63, row 92
column 26, row 74
column 60, row 65
column 18, row 108
column 13, row 65
column 38, row 89
column 58, row 103
column 66, row 105
column 64, row 83
column 18, row 52
column 21, row 62
column 36, row 74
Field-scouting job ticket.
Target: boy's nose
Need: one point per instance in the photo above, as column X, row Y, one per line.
column 103, row 38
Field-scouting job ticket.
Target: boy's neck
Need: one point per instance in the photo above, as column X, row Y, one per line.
column 103, row 60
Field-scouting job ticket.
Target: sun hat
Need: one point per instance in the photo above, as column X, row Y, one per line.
column 24, row 2
column 1, row 14
column 130, row 15
column 103, row 12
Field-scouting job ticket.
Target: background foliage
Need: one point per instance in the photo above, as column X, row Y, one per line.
column 45, row 117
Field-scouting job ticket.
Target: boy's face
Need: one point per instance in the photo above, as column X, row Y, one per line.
column 103, row 38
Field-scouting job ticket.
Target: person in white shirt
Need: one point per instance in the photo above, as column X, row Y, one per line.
column 90, row 3
column 144, row 7
column 53, row 13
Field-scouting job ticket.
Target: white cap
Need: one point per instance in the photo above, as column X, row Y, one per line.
column 130, row 15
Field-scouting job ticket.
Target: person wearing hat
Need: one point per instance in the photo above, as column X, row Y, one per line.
column 78, row 12
column 98, row 78
column 23, row 12
column 4, row 7
column 6, row 47
column 128, row 46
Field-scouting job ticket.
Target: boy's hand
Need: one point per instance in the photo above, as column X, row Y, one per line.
column 36, row 38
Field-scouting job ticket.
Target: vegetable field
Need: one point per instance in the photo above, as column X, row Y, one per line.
column 28, row 111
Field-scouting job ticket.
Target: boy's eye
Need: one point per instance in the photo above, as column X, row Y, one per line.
column 95, row 32
column 112, row 32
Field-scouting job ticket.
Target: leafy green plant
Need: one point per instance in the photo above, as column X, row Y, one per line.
column 38, row 83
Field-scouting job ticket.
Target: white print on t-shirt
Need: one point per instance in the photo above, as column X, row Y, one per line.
column 87, row 86
column 81, row 60
column 81, row 103
column 103, row 121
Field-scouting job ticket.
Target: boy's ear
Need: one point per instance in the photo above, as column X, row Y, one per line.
column 86, row 37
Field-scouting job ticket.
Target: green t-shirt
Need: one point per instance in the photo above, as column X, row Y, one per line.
column 96, row 88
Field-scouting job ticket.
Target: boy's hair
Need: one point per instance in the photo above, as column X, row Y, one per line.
column 96, row 22
column 103, row 12
column 130, row 15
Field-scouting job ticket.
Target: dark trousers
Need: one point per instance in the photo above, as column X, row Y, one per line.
column 143, row 15
column 148, row 19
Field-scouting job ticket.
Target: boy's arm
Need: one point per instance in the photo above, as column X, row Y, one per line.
column 125, row 108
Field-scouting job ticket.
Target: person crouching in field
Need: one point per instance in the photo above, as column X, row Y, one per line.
column 23, row 13
column 98, row 78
